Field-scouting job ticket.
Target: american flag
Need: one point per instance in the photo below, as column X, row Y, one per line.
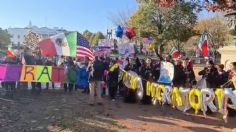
column 83, row 48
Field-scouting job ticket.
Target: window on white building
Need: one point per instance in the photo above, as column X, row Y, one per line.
column 18, row 36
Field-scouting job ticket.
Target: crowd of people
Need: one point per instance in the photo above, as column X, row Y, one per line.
column 102, row 75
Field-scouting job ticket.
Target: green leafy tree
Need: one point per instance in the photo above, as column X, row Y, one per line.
column 96, row 38
column 164, row 24
column 87, row 34
column 4, row 39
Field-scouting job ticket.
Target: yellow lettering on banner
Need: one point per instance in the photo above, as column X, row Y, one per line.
column 219, row 95
column 159, row 92
column 176, row 98
column 153, row 87
column 133, row 82
column 195, row 105
column 150, row 89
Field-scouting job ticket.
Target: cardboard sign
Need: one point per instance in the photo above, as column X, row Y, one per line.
column 44, row 73
column 167, row 73
column 28, row 73
column 2, row 71
column 58, row 74
column 13, row 73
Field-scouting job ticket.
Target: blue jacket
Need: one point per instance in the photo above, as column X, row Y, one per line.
column 82, row 77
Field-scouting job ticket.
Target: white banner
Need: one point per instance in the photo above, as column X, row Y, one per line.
column 126, row 49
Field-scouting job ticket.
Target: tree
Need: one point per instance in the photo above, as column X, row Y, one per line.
column 4, row 39
column 213, row 5
column 87, row 34
column 93, row 38
column 164, row 24
column 96, row 38
column 221, row 5
column 217, row 30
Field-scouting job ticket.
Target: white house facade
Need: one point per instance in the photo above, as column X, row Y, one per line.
column 18, row 34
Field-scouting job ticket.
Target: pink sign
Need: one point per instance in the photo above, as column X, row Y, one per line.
column 2, row 71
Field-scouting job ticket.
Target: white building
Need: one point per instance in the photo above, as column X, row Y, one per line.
column 18, row 34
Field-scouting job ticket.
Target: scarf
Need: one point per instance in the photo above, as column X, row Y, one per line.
column 113, row 67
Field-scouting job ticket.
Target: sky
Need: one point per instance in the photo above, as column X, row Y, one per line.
column 72, row 15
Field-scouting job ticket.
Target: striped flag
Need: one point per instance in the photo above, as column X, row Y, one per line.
column 10, row 52
column 66, row 44
column 203, row 45
column 83, row 48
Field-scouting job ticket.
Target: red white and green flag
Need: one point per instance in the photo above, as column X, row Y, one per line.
column 62, row 44
column 174, row 53
column 203, row 45
column 66, row 44
column 10, row 52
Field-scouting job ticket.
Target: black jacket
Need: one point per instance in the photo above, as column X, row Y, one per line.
column 98, row 72
column 211, row 76
column 179, row 76
column 113, row 77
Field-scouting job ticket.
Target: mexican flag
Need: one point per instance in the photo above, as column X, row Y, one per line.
column 174, row 53
column 62, row 44
column 203, row 45
column 10, row 52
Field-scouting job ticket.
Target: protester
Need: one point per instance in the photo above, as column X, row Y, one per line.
column 71, row 75
column 106, row 63
column 190, row 79
column 65, row 64
column 210, row 73
column 31, row 60
column 232, row 74
column 113, row 79
column 179, row 74
column 222, row 77
column 49, row 63
column 10, row 86
column 83, row 77
column 147, row 75
column 96, row 77
column 38, row 61
column 156, row 69
column 231, row 83
column 129, row 66
column 137, row 65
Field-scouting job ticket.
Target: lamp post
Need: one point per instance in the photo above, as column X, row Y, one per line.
column 109, row 33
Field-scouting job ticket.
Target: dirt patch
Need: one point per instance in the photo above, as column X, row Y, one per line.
column 58, row 111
